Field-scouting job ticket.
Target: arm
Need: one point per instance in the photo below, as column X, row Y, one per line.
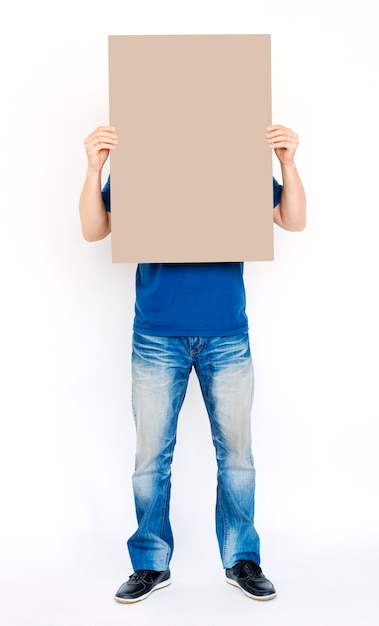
column 94, row 218
column 290, row 214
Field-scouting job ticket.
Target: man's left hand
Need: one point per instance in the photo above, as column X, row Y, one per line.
column 284, row 141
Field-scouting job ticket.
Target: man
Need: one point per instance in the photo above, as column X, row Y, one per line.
column 192, row 316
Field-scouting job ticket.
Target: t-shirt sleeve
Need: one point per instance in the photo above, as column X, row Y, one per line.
column 277, row 191
column 106, row 193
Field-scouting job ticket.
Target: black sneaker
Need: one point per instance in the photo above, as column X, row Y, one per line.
column 141, row 584
column 248, row 576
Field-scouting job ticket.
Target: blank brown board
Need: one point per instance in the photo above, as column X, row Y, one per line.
column 191, row 177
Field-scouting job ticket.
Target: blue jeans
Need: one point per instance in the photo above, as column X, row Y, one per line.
column 160, row 371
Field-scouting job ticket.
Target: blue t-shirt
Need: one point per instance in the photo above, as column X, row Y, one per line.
column 190, row 299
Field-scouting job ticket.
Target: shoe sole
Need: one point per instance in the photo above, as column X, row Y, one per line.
column 250, row 595
column 160, row 585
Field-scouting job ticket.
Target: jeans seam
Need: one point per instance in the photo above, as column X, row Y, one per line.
column 225, row 531
column 163, row 518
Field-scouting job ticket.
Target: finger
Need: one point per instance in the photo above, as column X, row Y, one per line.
column 101, row 129
column 275, row 143
column 102, row 137
column 282, row 134
column 99, row 142
column 283, row 144
column 289, row 140
column 99, row 147
column 273, row 127
column 102, row 132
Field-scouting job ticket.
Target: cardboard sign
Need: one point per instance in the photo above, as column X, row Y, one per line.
column 191, row 177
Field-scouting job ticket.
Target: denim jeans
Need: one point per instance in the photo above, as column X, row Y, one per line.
column 160, row 371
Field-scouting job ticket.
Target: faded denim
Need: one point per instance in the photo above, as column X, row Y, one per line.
column 161, row 367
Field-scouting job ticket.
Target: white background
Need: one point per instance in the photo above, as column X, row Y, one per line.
column 67, row 437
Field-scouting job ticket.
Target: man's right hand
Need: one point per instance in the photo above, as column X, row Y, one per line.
column 98, row 144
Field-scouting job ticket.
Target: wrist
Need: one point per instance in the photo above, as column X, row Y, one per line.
column 93, row 173
column 289, row 169
column 290, row 165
